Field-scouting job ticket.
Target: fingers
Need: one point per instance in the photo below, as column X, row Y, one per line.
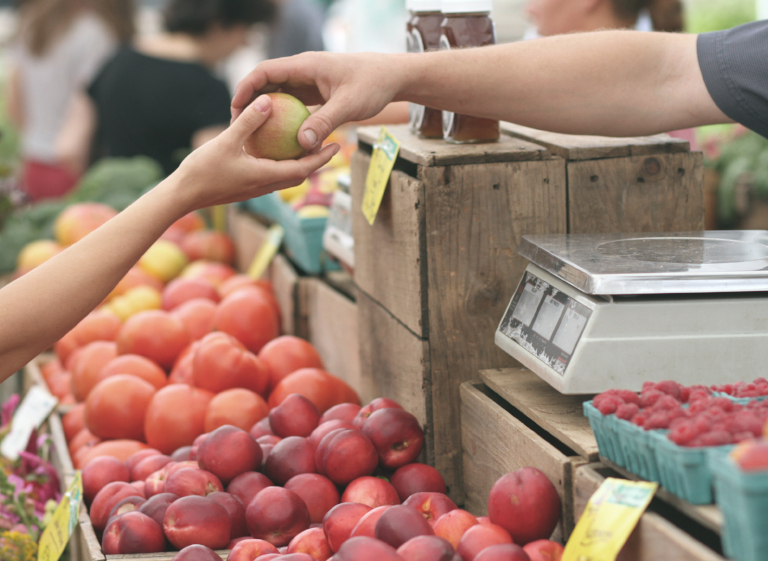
column 323, row 122
column 250, row 119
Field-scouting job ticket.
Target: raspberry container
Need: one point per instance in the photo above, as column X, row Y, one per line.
column 740, row 400
column 607, row 434
column 743, row 500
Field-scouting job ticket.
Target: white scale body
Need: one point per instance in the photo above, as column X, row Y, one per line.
column 600, row 311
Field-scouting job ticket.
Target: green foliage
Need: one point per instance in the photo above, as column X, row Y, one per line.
column 702, row 16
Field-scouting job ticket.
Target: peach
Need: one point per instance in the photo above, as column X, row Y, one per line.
column 417, row 478
column 237, row 407
column 137, row 457
column 344, row 455
column 452, row 525
column 312, row 542
column 196, row 552
column 339, row 522
column 396, row 435
column 364, row 548
column 155, row 482
column 483, row 520
column 101, row 471
column 526, row 504
column 366, row 526
column 341, row 412
column 268, row 557
column 233, row 543
column 268, row 439
column 128, row 504
column 289, row 457
column 426, row 548
column 480, row 536
column 373, row 406
column 183, row 454
column 156, row 506
column 180, row 291
column 400, row 523
column 133, row 532
column 227, row 452
column 250, row 549
column 148, row 466
column 277, row 515
column 266, row 450
column 371, row 491
column 141, row 487
column 318, row 493
column 191, row 481
column 544, row 550
column 209, row 245
column 197, row 520
column 503, row 552
column 431, row 505
column 235, row 509
column 751, row 455
column 261, row 428
column 329, row 426
column 295, row 416
column 173, row 467
column 248, row 485
column 106, row 499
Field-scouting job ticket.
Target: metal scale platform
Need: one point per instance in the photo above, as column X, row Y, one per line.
column 600, row 311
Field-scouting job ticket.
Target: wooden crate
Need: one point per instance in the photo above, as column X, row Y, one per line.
column 497, row 440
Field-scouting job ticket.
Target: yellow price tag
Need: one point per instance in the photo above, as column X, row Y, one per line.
column 611, row 515
column 266, row 252
column 382, row 161
column 219, row 218
column 59, row 529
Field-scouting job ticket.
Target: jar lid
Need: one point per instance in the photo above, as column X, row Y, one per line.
column 423, row 5
column 465, row 6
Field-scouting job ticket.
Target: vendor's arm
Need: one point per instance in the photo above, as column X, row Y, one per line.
column 44, row 304
column 615, row 83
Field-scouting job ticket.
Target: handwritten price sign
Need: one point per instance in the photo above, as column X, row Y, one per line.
column 382, row 162
column 58, row 531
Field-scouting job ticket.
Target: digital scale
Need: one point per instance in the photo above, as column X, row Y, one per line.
column 600, row 311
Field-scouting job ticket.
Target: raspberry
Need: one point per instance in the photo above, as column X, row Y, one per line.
column 667, row 403
column 685, row 394
column 742, row 436
column 683, row 433
column 629, row 396
column 716, row 438
column 745, row 421
column 608, row 405
column 659, row 420
column 650, row 397
column 640, row 419
column 669, row 387
column 627, row 411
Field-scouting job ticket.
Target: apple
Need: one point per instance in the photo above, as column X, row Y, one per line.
column 401, row 523
column 371, row 491
column 544, row 550
column 133, row 532
column 106, row 499
column 277, row 138
column 431, row 505
column 312, row 542
column 344, row 455
column 227, row 452
column 236, row 511
column 452, row 525
column 366, row 526
column 341, row 412
column 291, row 456
column 248, row 485
column 396, row 435
column 480, row 536
column 318, row 493
column 426, row 548
column 197, row 520
column 526, row 504
column 156, row 506
column 250, row 549
column 196, row 552
column 192, row 481
column 277, row 515
column 340, row 521
column 295, row 416
column 373, row 406
column 366, row 549
column 100, row 472
column 417, row 478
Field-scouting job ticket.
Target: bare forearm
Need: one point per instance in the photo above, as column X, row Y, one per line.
column 613, row 83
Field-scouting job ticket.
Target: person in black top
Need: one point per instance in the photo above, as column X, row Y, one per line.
column 158, row 97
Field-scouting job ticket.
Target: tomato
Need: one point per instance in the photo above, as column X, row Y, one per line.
column 237, row 407
column 197, row 317
column 99, row 325
column 182, row 368
column 51, row 368
column 82, row 439
column 222, row 363
column 133, row 278
column 321, row 388
column 210, row 271
column 179, row 291
column 154, row 334
column 209, row 245
column 248, row 316
column 116, row 406
column 135, row 365
column 175, row 417
column 59, row 383
column 86, row 369
column 237, row 282
column 190, row 222
column 120, row 449
column 65, row 346
column 73, row 421
column 287, row 354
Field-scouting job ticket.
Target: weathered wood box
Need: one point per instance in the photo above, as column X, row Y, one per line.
column 436, row 270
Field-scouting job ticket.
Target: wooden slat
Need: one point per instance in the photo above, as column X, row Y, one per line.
column 333, row 330
column 285, row 281
column 661, row 193
column 248, row 235
column 561, row 415
column 390, row 265
column 654, row 538
column 427, row 152
column 494, row 443
column 476, row 217
column 581, row 147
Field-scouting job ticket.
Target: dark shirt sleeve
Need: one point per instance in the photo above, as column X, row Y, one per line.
column 210, row 106
column 734, row 63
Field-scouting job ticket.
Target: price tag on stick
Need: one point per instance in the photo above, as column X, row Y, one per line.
column 35, row 408
column 382, row 162
column 611, row 515
column 59, row 529
column 266, row 252
column 219, row 218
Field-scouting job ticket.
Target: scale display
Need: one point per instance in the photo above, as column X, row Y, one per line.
column 545, row 321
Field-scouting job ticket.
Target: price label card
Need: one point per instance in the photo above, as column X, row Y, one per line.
column 382, row 162
column 59, row 529
column 266, row 252
column 219, row 218
column 35, row 408
column 611, row 515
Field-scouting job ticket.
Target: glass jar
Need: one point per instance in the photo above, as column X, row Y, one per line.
column 423, row 35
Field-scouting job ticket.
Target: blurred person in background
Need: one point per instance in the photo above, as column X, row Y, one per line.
column 159, row 97
column 59, row 47
column 297, row 28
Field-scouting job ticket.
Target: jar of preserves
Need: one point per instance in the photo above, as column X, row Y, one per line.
column 423, row 35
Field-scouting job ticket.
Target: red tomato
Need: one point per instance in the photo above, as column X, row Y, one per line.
column 249, row 316
column 211, row 271
column 197, row 317
column 154, row 334
column 82, row 439
column 179, row 291
column 120, row 449
column 321, row 388
column 175, row 417
column 87, row 368
column 65, row 346
column 221, row 363
column 190, row 222
column 135, row 365
column 182, row 368
column 99, row 325
column 209, row 245
column 116, row 406
column 73, row 421
column 237, row 282
column 287, row 354
column 237, row 407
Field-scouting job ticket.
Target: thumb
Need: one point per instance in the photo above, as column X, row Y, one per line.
column 252, row 117
column 323, row 122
